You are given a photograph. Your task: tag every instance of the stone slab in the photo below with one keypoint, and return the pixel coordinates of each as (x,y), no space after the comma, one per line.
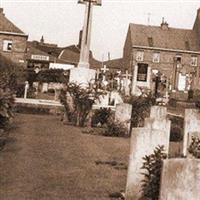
(143,142)
(180,179)
(123,115)
(191,125)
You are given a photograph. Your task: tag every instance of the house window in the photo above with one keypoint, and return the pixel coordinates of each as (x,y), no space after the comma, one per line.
(142,72)
(7,45)
(140,55)
(156,57)
(194,61)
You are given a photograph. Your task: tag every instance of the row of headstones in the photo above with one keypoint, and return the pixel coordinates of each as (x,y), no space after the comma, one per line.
(180,178)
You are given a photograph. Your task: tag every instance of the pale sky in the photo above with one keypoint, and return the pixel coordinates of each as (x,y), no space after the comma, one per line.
(61,20)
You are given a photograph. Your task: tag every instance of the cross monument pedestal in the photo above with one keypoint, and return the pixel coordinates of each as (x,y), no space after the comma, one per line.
(83,74)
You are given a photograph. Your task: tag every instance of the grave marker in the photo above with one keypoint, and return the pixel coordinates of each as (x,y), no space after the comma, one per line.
(123,115)
(143,142)
(180,179)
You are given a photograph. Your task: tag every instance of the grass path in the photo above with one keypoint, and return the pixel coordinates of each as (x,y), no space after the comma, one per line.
(46,160)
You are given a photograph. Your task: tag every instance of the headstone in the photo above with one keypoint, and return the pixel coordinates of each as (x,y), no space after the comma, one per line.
(36,86)
(191,127)
(143,142)
(26,89)
(180,179)
(116,98)
(123,115)
(44,87)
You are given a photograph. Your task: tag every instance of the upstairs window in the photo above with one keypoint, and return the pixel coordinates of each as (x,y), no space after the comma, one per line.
(140,56)
(194,61)
(156,57)
(7,45)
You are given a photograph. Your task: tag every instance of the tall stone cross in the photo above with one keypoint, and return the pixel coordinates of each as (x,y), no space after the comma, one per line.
(86,36)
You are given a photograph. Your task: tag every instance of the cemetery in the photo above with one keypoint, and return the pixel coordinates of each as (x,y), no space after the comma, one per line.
(84,133)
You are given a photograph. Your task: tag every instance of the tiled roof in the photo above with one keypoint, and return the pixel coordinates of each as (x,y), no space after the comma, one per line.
(115,64)
(32,50)
(7,26)
(170,38)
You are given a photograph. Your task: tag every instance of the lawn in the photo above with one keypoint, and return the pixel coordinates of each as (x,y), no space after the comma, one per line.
(46,160)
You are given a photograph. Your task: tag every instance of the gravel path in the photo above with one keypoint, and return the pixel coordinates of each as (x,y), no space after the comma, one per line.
(46,160)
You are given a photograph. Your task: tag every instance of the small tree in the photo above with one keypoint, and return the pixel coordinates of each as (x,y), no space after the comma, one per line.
(140,108)
(82,101)
(152,165)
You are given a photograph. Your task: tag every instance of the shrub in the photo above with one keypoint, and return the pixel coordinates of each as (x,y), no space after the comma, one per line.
(101,116)
(6,104)
(82,101)
(52,75)
(115,129)
(152,165)
(141,108)
(194,147)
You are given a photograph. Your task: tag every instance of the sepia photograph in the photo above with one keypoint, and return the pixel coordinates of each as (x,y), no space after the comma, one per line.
(99,100)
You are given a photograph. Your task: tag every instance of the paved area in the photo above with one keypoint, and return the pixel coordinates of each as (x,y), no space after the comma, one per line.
(46,160)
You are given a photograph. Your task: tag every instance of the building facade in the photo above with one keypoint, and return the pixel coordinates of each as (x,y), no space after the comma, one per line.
(172,54)
(12,41)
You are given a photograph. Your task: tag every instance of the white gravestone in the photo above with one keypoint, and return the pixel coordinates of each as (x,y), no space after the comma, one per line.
(180,179)
(191,127)
(123,114)
(143,142)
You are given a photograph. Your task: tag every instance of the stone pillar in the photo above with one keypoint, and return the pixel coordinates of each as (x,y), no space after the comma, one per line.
(26,89)
(180,179)
(143,142)
(191,126)
(134,81)
(86,37)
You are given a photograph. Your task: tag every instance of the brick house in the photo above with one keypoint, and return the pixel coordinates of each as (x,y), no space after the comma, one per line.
(172,52)
(12,41)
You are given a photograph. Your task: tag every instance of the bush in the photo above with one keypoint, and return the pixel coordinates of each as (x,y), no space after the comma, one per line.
(82,101)
(115,129)
(152,165)
(101,116)
(141,109)
(194,147)
(52,75)
(6,104)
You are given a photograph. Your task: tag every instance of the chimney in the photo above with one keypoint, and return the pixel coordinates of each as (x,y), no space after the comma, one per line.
(42,39)
(108,55)
(164,24)
(80,38)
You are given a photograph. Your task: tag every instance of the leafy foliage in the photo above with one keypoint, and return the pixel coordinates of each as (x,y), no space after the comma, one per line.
(6,104)
(81,103)
(141,108)
(194,147)
(101,116)
(152,165)
(9,77)
(52,75)
(115,129)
